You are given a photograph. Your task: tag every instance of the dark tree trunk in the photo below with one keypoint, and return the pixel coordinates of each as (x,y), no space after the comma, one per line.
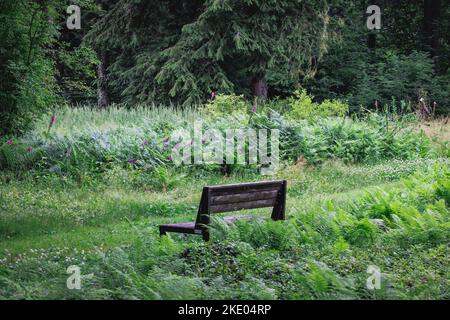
(102,92)
(259,87)
(371,40)
(431,14)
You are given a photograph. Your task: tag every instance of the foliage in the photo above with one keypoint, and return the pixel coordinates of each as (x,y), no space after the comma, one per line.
(396,76)
(141,138)
(223,105)
(369,180)
(77,73)
(402,65)
(355,140)
(302,107)
(201,47)
(28,86)
(320,252)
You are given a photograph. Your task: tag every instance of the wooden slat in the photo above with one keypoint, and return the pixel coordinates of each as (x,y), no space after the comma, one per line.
(247,189)
(183,227)
(242,205)
(238,187)
(244,184)
(244,197)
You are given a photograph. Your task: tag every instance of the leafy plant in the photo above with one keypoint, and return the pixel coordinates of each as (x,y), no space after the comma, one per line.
(302,107)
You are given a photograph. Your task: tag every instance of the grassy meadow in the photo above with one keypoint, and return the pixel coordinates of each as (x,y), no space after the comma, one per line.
(91,189)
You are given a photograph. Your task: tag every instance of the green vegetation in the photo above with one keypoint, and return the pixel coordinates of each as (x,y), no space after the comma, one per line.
(301,106)
(80,141)
(86,168)
(340,220)
(372,191)
(141,52)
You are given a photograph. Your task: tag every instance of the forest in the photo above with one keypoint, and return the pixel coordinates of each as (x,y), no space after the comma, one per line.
(115,114)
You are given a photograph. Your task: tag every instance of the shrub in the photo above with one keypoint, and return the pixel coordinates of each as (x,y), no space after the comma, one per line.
(226,104)
(303,107)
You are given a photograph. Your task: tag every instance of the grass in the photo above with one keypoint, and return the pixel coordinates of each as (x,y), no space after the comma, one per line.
(33,207)
(342,217)
(67,224)
(438,129)
(86,118)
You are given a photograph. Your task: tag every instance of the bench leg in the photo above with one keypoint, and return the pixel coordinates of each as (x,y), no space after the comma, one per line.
(162,232)
(205,235)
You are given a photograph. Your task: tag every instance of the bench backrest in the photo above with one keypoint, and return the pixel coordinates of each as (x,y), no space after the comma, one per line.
(250,195)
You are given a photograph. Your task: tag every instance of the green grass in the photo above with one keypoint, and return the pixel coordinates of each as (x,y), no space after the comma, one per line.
(380,196)
(34,207)
(71,120)
(111,229)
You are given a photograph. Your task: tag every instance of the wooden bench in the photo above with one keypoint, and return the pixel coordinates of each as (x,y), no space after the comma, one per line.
(233,197)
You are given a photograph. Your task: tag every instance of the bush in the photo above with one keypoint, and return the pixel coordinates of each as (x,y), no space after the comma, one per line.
(402,77)
(226,104)
(345,139)
(303,107)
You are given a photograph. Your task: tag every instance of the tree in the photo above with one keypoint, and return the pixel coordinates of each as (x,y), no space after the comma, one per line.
(432,10)
(180,52)
(27,84)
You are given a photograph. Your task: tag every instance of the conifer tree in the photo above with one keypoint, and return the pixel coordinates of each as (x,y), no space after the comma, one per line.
(179,51)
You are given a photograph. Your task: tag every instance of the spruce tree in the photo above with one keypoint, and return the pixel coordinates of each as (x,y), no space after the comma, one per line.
(180,51)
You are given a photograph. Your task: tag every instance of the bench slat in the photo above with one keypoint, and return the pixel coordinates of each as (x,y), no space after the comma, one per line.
(247,189)
(243,197)
(242,205)
(248,184)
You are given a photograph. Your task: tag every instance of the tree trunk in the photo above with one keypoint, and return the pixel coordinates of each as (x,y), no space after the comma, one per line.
(371,40)
(102,92)
(431,15)
(259,87)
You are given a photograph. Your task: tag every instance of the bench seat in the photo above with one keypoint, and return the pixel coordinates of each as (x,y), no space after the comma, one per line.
(189,227)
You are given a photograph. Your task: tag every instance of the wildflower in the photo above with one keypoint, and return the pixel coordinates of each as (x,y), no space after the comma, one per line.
(145,142)
(52,122)
(424,106)
(213,95)
(254,108)
(166,142)
(9,142)
(132,161)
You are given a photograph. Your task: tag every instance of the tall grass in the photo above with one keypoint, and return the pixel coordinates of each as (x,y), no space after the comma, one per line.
(91,139)
(72,120)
